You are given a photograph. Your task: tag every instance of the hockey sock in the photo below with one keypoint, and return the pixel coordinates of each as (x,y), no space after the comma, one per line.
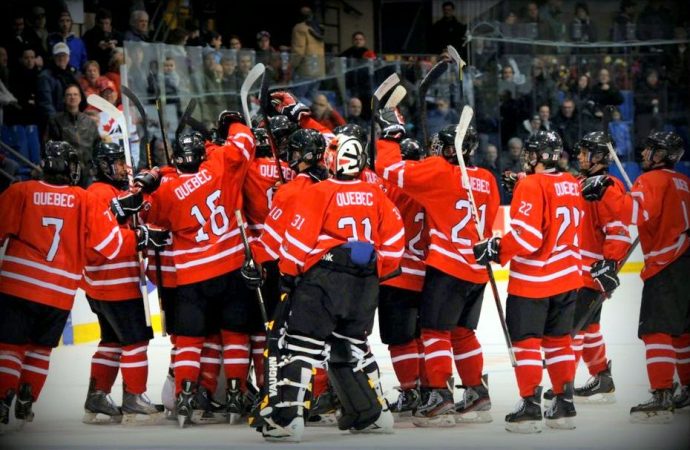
(682,345)
(105,364)
(560,360)
(578,343)
(187,364)
(529,366)
(210,363)
(661,360)
(134,365)
(468,356)
(405,359)
(438,357)
(320,383)
(594,349)
(236,356)
(35,368)
(258,341)
(11,357)
(173,351)
(421,363)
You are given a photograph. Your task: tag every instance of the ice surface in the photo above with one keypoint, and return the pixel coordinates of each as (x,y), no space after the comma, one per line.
(58,413)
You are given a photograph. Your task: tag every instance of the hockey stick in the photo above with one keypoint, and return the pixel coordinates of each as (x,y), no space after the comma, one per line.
(104,105)
(455,56)
(460,131)
(186,118)
(127,92)
(379,93)
(396,97)
(430,78)
(248,256)
(253,75)
(161,121)
(612,152)
(265,107)
(21,157)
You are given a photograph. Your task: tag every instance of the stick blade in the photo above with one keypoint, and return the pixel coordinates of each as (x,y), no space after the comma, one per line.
(396,97)
(461,129)
(455,56)
(253,75)
(386,86)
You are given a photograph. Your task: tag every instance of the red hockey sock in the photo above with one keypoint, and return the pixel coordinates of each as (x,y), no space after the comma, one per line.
(468,357)
(421,363)
(320,382)
(405,359)
(438,357)
(682,346)
(236,356)
(577,345)
(661,360)
(134,365)
(594,349)
(210,363)
(187,364)
(105,364)
(529,366)
(173,351)
(258,341)
(560,360)
(35,368)
(11,357)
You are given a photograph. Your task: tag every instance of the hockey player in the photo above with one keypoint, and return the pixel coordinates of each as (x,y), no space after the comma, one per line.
(112,290)
(545,273)
(343,233)
(659,204)
(454,284)
(211,297)
(51,224)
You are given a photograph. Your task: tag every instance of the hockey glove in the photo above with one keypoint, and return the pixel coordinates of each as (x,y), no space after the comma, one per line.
(252,274)
(392,124)
(148,180)
(153,237)
(126,205)
(593,188)
(225,119)
(287,104)
(604,273)
(487,250)
(509,180)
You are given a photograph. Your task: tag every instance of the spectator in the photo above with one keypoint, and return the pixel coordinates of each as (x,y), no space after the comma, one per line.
(358,81)
(448,30)
(623,28)
(23,86)
(543,89)
(214,103)
(507,82)
(441,116)
(15,41)
(620,133)
(308,52)
(231,83)
(354,113)
(245,64)
(544,112)
(77,55)
(268,55)
(654,20)
(171,82)
(137,76)
(138,27)
(489,160)
(512,161)
(581,92)
(604,93)
(529,127)
(6,99)
(113,74)
(583,29)
(4,67)
(650,105)
(193,33)
(677,63)
(359,49)
(92,82)
(566,123)
(52,83)
(564,164)
(511,114)
(325,114)
(36,34)
(214,41)
(108,129)
(234,43)
(177,36)
(101,40)
(75,127)
(552,17)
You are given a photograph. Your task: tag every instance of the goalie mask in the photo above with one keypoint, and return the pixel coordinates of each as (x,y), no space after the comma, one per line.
(189,152)
(443,144)
(61,164)
(345,157)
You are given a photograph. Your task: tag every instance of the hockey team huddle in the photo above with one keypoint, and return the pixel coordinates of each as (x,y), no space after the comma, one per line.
(272,245)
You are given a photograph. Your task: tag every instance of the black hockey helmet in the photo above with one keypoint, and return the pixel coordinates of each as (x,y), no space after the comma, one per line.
(352,129)
(189,152)
(411,150)
(106,155)
(666,150)
(544,147)
(263,143)
(443,144)
(61,164)
(305,145)
(281,128)
(594,148)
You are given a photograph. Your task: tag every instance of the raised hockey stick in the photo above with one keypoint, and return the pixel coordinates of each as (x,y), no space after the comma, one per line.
(379,93)
(161,121)
(186,118)
(455,56)
(131,96)
(253,75)
(460,132)
(396,97)
(265,108)
(104,105)
(608,111)
(430,78)
(21,157)
(248,256)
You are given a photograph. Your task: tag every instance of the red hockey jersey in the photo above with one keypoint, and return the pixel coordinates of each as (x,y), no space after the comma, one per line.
(659,204)
(198,209)
(436,185)
(543,245)
(49,229)
(334,212)
(169,278)
(258,191)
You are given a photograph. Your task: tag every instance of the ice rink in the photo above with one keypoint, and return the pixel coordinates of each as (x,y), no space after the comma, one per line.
(59,411)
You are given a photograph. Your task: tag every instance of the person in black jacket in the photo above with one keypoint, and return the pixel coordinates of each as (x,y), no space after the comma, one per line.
(101,40)
(448,30)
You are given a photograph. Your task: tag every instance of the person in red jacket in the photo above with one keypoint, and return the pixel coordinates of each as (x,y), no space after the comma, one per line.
(454,284)
(545,273)
(343,233)
(659,204)
(52,222)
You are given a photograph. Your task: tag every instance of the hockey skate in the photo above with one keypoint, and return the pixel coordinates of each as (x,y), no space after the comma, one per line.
(437,411)
(168,395)
(100,408)
(527,416)
(22,407)
(407,403)
(562,410)
(323,411)
(291,432)
(235,406)
(184,406)
(5,405)
(383,425)
(207,410)
(475,404)
(548,397)
(658,409)
(682,397)
(598,389)
(137,409)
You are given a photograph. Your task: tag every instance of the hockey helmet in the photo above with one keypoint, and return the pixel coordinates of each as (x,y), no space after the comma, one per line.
(189,152)
(263,143)
(666,149)
(411,150)
(443,144)
(345,157)
(593,148)
(305,145)
(109,161)
(281,128)
(61,163)
(352,129)
(544,147)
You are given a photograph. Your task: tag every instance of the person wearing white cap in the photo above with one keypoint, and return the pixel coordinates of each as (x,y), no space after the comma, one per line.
(77,55)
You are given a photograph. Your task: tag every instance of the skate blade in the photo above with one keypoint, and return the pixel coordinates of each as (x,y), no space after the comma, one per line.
(524,427)
(442,421)
(596,399)
(235,419)
(652,417)
(199,418)
(403,417)
(564,423)
(325,420)
(182,420)
(133,419)
(91,418)
(474,417)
